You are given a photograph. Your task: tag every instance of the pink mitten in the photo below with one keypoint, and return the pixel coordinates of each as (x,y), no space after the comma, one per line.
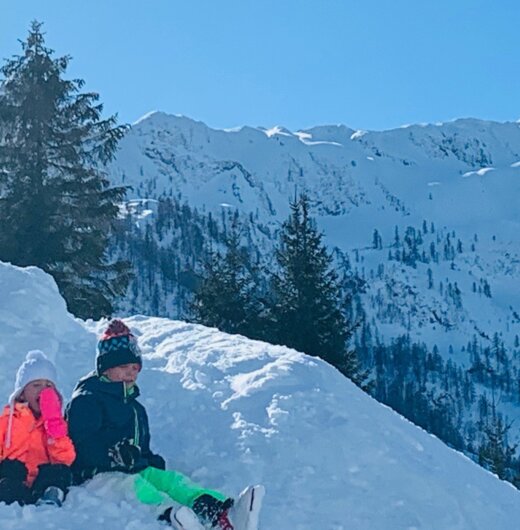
(50,407)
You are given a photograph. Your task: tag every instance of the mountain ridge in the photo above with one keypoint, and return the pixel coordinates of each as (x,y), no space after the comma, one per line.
(237,128)
(427,217)
(461,184)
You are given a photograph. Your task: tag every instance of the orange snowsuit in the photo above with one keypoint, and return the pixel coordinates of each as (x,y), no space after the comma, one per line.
(30,443)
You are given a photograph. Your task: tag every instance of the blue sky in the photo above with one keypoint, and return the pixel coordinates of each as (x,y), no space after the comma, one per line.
(367,64)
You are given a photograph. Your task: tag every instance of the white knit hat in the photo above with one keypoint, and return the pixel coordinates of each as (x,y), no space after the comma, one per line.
(36,366)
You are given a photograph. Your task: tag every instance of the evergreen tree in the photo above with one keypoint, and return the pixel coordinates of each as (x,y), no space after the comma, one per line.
(226,296)
(56,206)
(377,241)
(496,453)
(306,306)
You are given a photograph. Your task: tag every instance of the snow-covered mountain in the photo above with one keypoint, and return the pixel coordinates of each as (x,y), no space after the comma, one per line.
(228,411)
(456,185)
(427,215)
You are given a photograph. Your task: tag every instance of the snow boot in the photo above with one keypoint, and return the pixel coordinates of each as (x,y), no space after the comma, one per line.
(244,514)
(185,519)
(212,511)
(52,496)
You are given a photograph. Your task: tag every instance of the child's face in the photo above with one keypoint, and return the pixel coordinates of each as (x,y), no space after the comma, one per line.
(124,373)
(31,393)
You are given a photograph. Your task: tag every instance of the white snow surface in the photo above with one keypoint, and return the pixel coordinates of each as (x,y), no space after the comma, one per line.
(229,411)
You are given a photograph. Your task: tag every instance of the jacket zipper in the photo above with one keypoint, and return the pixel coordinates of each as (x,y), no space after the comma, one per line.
(136,432)
(136,418)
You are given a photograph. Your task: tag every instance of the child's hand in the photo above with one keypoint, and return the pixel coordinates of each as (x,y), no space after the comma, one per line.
(50,404)
(124,454)
(50,407)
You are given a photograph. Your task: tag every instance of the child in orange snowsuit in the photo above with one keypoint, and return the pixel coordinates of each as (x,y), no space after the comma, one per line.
(35,449)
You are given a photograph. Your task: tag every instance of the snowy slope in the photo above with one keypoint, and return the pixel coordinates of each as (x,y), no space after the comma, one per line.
(229,411)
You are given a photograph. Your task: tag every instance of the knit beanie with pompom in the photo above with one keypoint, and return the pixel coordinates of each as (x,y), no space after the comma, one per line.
(117,346)
(36,366)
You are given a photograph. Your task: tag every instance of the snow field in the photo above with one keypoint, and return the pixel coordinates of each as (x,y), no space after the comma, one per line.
(229,411)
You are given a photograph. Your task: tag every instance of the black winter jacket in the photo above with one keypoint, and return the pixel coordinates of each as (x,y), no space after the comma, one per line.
(101,414)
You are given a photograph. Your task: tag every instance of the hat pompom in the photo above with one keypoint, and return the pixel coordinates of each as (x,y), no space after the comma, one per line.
(36,355)
(116,328)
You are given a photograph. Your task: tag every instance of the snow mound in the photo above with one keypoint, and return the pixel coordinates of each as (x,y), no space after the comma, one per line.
(480,172)
(229,411)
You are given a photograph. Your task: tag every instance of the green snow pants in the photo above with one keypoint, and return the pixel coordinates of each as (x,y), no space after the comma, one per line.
(152,484)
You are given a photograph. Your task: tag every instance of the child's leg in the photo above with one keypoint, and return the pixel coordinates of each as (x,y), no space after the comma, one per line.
(152,484)
(13,473)
(58,475)
(176,485)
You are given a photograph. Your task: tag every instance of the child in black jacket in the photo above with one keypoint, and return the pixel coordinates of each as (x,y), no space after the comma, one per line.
(110,431)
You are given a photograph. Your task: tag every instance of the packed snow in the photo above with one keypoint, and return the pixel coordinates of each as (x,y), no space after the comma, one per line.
(229,411)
